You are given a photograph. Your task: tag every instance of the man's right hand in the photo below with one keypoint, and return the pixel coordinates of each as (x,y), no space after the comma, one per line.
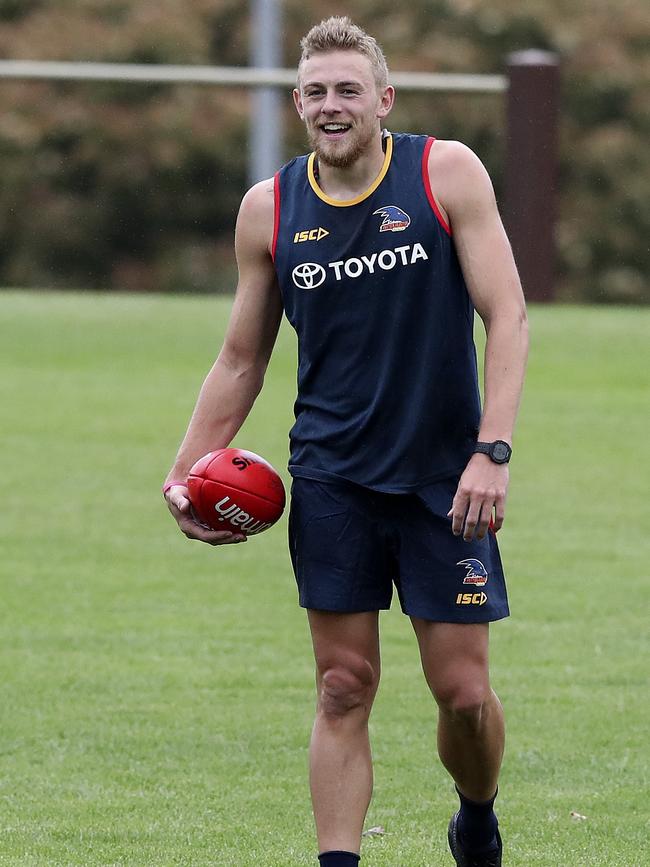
(179,505)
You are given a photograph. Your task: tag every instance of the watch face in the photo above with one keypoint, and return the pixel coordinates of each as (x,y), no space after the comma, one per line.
(500,452)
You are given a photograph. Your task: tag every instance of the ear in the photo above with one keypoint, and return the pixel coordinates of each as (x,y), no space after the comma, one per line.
(297,101)
(386,102)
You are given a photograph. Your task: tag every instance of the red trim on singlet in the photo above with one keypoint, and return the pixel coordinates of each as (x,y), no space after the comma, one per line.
(427,186)
(276,213)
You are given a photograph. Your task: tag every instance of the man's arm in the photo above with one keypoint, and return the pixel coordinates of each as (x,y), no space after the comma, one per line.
(464,192)
(236,378)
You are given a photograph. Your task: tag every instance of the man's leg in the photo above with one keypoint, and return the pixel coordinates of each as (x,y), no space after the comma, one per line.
(346,650)
(470,723)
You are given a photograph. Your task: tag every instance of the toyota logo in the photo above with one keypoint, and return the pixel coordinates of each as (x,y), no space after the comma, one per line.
(309,275)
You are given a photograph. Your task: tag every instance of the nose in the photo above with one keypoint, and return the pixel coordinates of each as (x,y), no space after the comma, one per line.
(330,103)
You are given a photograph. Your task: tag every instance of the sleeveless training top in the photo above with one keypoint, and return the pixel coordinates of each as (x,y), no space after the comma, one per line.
(387,379)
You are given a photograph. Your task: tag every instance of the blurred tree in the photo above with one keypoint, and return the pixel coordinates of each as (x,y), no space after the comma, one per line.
(136,187)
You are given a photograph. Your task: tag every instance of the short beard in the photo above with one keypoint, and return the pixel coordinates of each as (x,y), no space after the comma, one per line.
(341,159)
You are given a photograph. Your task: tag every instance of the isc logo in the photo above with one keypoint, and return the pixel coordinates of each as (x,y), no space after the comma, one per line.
(310,235)
(471,599)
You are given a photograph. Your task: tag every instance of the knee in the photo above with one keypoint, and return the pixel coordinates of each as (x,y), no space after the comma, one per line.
(347,687)
(466,703)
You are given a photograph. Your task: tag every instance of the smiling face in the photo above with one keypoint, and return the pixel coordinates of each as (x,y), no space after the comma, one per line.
(341,105)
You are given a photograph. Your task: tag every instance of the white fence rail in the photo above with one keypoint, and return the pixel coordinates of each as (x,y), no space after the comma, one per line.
(231,75)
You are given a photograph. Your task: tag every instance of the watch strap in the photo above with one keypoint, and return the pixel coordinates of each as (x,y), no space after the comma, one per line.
(482,448)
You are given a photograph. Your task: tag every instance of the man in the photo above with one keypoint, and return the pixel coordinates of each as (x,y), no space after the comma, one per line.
(379,247)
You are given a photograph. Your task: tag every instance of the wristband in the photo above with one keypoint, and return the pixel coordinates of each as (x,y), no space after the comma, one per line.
(169,485)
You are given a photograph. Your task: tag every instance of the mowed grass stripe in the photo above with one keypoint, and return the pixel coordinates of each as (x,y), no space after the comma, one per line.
(156,695)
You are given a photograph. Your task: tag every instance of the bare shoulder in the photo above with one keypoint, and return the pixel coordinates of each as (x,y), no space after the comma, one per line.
(457,176)
(255,221)
(455,158)
(259,200)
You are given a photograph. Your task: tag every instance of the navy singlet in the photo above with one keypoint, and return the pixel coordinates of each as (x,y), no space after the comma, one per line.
(388,394)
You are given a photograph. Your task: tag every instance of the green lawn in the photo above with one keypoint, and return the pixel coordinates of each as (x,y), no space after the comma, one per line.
(156,695)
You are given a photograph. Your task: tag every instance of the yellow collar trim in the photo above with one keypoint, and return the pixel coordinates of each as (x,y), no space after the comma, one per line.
(338,203)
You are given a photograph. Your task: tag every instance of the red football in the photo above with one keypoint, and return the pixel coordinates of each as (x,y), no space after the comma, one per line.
(236,490)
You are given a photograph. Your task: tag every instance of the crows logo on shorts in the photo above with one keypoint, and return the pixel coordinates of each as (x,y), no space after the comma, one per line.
(476,572)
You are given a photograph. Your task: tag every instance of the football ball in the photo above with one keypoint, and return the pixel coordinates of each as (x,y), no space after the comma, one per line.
(236,490)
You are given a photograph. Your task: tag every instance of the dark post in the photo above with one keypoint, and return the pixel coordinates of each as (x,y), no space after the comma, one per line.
(531,168)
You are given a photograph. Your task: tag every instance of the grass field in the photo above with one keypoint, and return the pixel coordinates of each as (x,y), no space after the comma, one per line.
(156,695)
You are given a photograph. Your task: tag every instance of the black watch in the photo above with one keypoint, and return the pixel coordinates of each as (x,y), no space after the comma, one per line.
(498,451)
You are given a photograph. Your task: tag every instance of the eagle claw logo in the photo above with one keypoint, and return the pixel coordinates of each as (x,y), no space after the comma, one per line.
(476,572)
(395,219)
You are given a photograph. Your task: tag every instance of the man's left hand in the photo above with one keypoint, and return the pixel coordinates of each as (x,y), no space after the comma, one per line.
(480,497)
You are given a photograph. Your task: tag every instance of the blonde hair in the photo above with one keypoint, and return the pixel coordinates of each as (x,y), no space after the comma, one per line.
(341,34)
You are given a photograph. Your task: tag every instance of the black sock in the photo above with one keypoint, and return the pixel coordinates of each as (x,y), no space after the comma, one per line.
(477,824)
(338,859)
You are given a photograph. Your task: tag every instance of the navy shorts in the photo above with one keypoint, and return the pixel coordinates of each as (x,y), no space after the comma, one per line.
(349,545)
